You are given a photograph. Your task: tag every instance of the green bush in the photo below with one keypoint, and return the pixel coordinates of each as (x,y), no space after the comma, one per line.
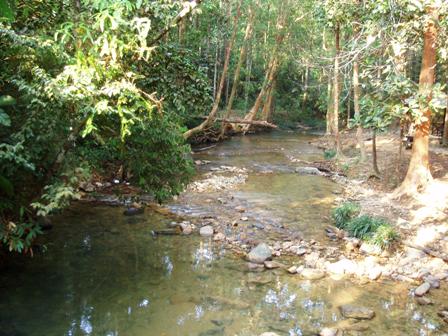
(343,214)
(384,236)
(329,154)
(363,227)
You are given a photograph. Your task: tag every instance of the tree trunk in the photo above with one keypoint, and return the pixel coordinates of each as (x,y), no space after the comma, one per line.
(236,76)
(335,119)
(445,125)
(267,108)
(374,153)
(356,96)
(271,70)
(419,174)
(348,107)
(329,116)
(215,107)
(305,87)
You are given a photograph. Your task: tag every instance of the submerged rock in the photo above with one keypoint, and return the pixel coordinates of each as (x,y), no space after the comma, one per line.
(329,332)
(259,254)
(206,231)
(269,334)
(357,312)
(133,211)
(312,274)
(273,264)
(422,289)
(423,301)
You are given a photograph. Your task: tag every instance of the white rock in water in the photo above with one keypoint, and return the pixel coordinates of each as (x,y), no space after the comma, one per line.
(312,274)
(343,266)
(259,254)
(422,289)
(219,237)
(329,332)
(206,231)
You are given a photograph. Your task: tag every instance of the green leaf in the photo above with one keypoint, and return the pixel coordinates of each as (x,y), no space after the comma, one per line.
(6,186)
(4,119)
(6,10)
(7,100)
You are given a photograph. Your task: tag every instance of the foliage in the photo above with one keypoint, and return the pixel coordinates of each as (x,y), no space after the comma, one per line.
(343,214)
(329,154)
(364,226)
(384,236)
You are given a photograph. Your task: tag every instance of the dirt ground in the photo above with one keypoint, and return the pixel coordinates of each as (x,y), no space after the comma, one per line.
(422,220)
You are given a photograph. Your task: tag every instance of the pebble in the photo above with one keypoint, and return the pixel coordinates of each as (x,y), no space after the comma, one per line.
(260,253)
(292,270)
(312,274)
(219,237)
(423,301)
(357,312)
(329,332)
(206,231)
(422,289)
(273,264)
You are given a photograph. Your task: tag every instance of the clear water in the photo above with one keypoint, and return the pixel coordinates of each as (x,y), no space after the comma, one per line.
(104,273)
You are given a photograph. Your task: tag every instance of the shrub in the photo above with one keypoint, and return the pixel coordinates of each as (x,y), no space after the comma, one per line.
(364,226)
(343,214)
(384,236)
(329,154)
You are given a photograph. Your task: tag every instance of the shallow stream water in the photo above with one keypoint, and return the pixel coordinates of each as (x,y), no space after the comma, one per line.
(105,274)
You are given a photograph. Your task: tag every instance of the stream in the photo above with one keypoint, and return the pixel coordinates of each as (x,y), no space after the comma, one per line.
(104,273)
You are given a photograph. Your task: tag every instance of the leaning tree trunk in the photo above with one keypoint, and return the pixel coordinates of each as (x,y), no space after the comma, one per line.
(375,154)
(236,77)
(271,70)
(419,174)
(335,119)
(211,117)
(267,108)
(329,115)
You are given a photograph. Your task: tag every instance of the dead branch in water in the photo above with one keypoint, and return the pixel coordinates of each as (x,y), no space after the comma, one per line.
(242,121)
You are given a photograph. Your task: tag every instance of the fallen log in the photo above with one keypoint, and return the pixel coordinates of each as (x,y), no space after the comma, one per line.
(242,121)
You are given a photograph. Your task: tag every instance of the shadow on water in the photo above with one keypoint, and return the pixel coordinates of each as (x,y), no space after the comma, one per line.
(104,274)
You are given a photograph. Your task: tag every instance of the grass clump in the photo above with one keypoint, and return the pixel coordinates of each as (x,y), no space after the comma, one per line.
(368,228)
(343,214)
(329,154)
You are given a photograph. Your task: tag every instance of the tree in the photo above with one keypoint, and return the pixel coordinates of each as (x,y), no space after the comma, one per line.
(419,174)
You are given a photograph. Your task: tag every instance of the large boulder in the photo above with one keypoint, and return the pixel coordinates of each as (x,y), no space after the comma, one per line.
(357,312)
(260,254)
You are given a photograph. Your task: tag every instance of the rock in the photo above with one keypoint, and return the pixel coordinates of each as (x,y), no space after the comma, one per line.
(422,289)
(312,259)
(292,270)
(298,250)
(423,301)
(308,171)
(255,267)
(269,334)
(343,266)
(206,231)
(444,315)
(240,209)
(87,187)
(187,229)
(432,280)
(244,219)
(312,274)
(374,273)
(370,249)
(273,264)
(259,254)
(287,245)
(329,332)
(219,237)
(357,312)
(133,211)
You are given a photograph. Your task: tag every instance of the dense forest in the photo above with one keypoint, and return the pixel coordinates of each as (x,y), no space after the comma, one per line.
(121,88)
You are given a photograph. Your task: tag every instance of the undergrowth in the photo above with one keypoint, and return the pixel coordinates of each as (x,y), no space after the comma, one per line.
(366,227)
